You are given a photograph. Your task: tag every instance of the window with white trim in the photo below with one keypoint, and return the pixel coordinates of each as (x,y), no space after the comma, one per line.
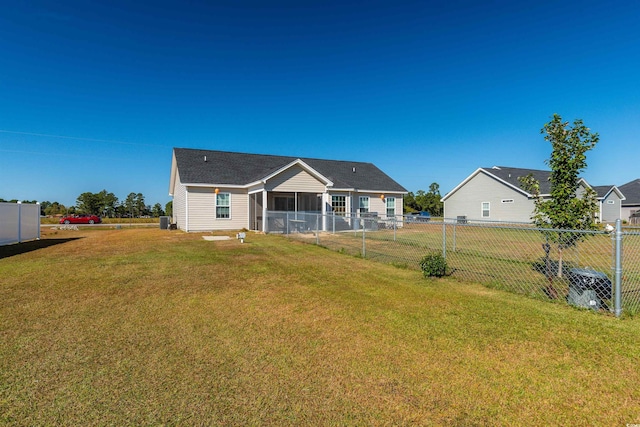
(485,209)
(391,206)
(223,205)
(339,205)
(363,205)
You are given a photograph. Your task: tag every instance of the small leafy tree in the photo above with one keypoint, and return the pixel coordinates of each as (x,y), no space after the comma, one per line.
(567,208)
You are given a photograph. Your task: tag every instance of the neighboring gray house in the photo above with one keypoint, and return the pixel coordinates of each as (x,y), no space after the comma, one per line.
(219,190)
(496,194)
(610,200)
(631,206)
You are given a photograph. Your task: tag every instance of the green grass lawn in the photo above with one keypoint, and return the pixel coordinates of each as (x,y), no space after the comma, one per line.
(155,327)
(509,258)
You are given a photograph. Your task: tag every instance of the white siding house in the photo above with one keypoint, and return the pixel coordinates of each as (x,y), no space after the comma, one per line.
(218,190)
(496,194)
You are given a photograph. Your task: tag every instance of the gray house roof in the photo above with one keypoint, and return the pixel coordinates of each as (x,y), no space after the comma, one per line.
(603,191)
(230,168)
(511,175)
(631,190)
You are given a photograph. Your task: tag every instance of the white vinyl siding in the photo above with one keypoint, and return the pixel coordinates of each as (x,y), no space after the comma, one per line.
(202,210)
(295,179)
(467,200)
(179,205)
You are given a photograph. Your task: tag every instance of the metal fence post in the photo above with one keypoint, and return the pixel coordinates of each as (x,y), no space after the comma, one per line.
(618,271)
(444,238)
(364,241)
(287,223)
(395,227)
(354,226)
(333,226)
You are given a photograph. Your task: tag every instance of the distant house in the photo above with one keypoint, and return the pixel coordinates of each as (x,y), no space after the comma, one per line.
(496,194)
(631,206)
(219,190)
(610,201)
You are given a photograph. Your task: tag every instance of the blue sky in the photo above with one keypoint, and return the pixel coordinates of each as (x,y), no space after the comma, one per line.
(95,95)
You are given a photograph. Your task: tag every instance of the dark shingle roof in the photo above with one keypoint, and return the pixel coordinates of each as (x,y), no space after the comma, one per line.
(631,191)
(602,190)
(224,167)
(511,175)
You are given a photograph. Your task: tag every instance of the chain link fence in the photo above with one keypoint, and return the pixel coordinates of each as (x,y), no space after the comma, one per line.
(563,265)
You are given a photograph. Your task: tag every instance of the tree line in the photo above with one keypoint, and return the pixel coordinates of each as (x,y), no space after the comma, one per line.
(425,201)
(104,204)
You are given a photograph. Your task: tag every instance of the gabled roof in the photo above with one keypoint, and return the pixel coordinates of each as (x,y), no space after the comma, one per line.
(631,191)
(210,167)
(509,176)
(603,191)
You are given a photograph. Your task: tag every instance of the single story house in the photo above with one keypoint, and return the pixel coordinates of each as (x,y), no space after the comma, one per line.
(631,206)
(496,194)
(220,190)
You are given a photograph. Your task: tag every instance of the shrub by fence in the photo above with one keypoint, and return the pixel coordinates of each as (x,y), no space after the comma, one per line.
(510,256)
(19,222)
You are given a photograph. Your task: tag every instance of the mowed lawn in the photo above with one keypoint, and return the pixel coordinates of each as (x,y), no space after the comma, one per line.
(156,327)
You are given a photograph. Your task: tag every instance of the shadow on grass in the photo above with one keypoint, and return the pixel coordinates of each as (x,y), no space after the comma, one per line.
(21,248)
(551,269)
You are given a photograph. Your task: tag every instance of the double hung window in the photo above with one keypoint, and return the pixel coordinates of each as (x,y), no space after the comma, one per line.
(223,205)
(391,206)
(363,206)
(485,209)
